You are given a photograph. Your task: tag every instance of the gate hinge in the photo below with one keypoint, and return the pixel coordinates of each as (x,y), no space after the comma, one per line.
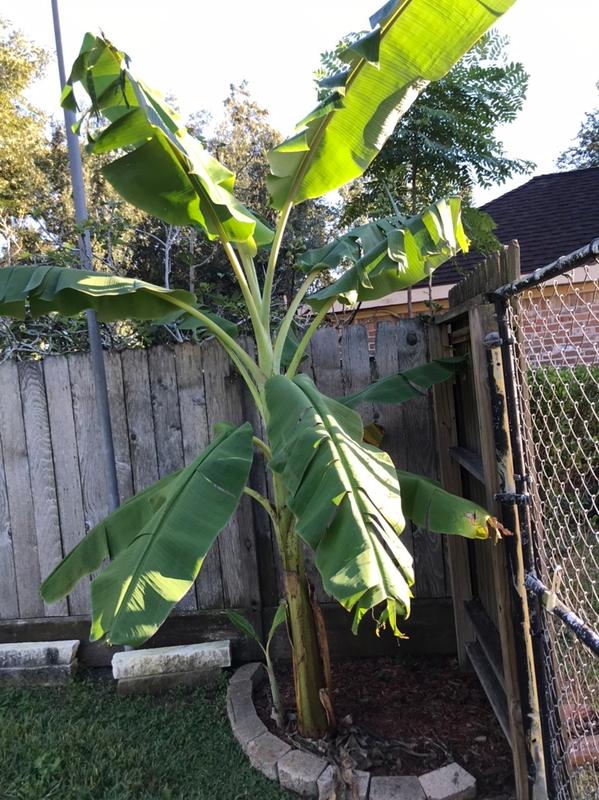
(493,340)
(513,498)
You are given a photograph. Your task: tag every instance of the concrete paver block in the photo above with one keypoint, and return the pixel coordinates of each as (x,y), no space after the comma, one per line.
(264,752)
(396,788)
(449,783)
(299,772)
(255,673)
(328,791)
(38,654)
(179,658)
(157,684)
(245,722)
(37,676)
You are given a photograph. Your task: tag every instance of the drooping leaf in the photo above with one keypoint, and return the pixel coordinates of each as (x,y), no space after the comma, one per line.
(157,542)
(44,289)
(163,169)
(345,498)
(413,42)
(404,386)
(401,258)
(244,625)
(429,506)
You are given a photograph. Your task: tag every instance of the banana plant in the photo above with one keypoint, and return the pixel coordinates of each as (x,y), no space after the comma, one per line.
(246,627)
(332,492)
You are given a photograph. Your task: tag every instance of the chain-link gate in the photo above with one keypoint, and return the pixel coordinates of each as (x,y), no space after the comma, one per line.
(548,325)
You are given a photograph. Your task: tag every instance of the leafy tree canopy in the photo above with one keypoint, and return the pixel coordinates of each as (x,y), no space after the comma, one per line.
(585,150)
(23,143)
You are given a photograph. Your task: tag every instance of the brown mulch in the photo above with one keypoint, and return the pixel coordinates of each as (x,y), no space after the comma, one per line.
(407,716)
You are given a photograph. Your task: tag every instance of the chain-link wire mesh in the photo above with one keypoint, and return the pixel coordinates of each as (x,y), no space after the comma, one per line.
(556,328)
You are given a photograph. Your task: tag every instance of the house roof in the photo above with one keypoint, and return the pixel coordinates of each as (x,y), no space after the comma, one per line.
(550,216)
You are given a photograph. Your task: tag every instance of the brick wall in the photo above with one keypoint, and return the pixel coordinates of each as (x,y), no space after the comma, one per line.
(560,324)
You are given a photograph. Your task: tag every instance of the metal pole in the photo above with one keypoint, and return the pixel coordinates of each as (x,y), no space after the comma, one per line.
(85,253)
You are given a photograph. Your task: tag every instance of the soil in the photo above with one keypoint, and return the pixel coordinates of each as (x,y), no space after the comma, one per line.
(407,716)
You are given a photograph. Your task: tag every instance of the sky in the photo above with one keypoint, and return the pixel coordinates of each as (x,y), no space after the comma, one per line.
(202,47)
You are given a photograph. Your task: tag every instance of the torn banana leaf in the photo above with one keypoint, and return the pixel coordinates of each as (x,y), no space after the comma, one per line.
(402,256)
(157,542)
(345,498)
(412,43)
(162,168)
(44,289)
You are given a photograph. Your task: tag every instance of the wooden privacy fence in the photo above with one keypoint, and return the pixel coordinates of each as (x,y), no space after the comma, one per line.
(164,403)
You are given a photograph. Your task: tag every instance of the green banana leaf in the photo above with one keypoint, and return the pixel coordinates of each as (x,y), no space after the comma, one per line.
(400,388)
(157,542)
(392,259)
(292,342)
(45,289)
(429,506)
(185,322)
(413,42)
(164,170)
(345,498)
(347,248)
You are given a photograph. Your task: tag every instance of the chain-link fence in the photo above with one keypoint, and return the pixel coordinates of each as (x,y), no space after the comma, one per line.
(555,324)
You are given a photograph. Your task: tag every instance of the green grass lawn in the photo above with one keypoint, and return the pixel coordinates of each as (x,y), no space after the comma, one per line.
(83,742)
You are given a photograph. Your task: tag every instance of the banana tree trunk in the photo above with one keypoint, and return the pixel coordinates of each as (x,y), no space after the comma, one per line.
(308,671)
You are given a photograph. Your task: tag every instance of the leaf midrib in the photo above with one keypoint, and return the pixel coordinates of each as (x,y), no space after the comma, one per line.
(319,132)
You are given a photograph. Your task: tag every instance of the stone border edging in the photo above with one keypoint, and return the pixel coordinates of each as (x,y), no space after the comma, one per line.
(311,776)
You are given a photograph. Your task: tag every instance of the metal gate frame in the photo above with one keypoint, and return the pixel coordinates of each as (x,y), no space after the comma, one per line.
(517,500)
(508,656)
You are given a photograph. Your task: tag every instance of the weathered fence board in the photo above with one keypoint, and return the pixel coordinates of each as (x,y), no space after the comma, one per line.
(164,403)
(9,606)
(237,544)
(138,404)
(41,474)
(66,467)
(18,489)
(195,432)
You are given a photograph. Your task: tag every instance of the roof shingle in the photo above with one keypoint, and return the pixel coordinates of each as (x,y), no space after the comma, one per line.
(550,216)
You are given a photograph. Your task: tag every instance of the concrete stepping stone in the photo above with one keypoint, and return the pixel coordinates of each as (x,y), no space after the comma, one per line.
(158,669)
(38,663)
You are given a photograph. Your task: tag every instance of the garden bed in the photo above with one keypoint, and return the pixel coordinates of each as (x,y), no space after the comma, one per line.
(408,716)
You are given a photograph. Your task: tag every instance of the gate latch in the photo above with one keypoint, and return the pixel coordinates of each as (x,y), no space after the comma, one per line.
(513,498)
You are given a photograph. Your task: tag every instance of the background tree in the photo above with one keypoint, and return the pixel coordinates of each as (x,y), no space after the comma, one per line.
(37,218)
(23,144)
(447,142)
(585,150)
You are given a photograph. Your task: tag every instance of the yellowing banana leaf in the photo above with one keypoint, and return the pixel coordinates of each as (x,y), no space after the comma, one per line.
(429,506)
(345,498)
(404,386)
(163,170)
(157,542)
(401,257)
(44,289)
(413,42)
